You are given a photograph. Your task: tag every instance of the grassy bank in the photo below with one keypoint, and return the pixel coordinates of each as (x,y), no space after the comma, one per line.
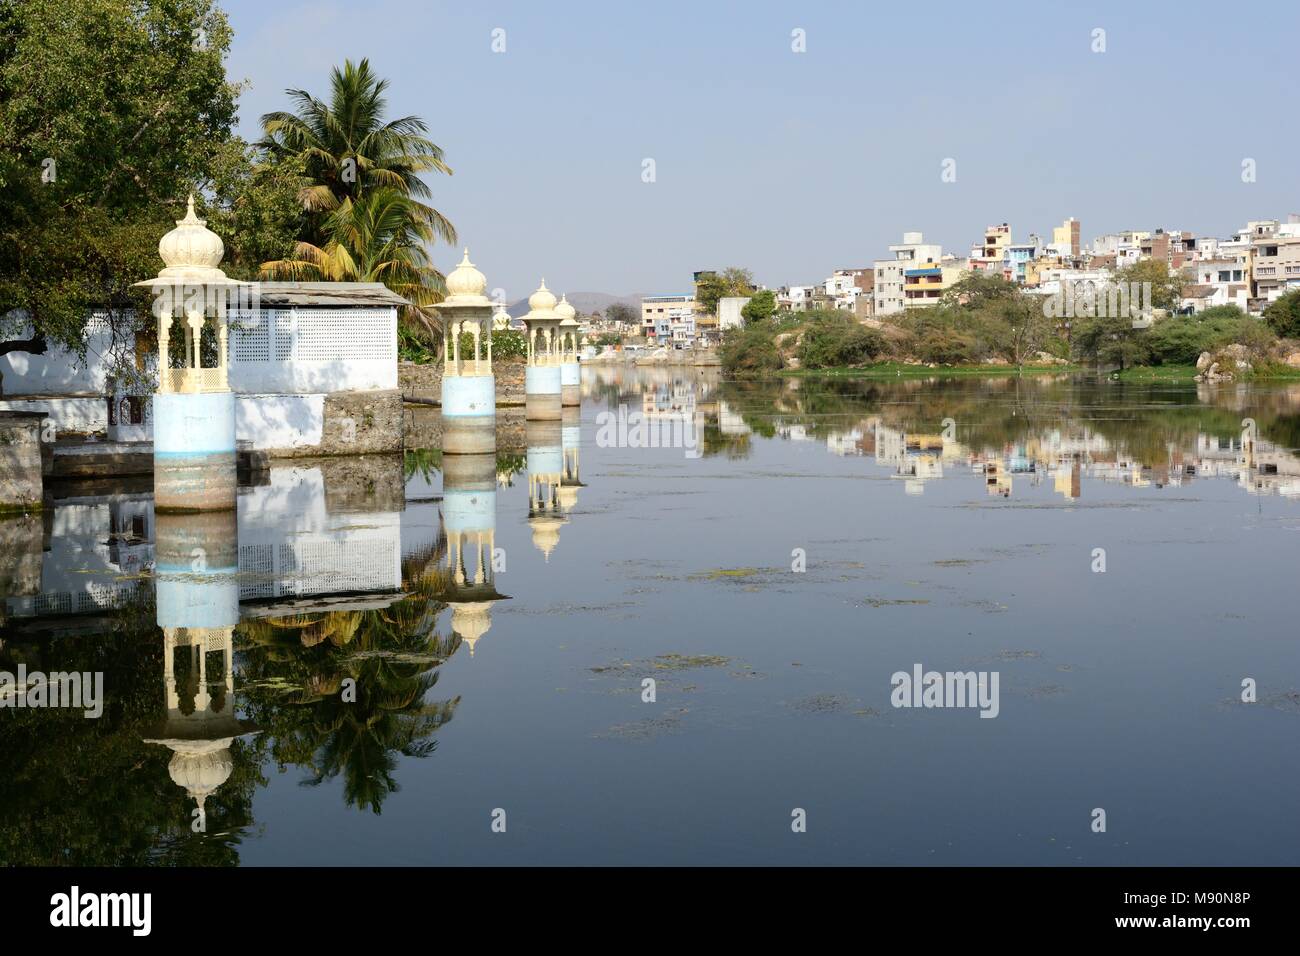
(904,370)
(1270,372)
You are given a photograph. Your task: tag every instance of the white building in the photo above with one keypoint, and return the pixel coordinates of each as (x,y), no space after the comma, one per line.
(302,342)
(912,251)
(729,311)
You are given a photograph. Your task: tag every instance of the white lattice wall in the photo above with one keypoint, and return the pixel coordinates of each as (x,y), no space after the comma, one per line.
(313,350)
(304,568)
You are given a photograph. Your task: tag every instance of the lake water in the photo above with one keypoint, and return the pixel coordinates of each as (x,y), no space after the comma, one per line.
(1120,558)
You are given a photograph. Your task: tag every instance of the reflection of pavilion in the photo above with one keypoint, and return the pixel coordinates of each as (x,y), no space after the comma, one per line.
(570,447)
(469,518)
(198,608)
(545,477)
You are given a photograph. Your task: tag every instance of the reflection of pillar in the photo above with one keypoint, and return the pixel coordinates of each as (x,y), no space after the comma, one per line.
(468,387)
(570,478)
(545,476)
(196,567)
(469,517)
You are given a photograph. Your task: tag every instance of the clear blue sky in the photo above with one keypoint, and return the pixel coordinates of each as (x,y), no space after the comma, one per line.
(796,164)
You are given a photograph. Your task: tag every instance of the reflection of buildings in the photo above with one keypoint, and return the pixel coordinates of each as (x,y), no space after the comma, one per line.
(469,520)
(198,608)
(916,458)
(97,554)
(1065,456)
(304,533)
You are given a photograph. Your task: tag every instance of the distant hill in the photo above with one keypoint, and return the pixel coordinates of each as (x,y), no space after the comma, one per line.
(585,302)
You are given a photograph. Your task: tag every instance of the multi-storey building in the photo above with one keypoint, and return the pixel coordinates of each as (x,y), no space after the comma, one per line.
(1065,238)
(1275,268)
(669,319)
(989,254)
(926,282)
(913,252)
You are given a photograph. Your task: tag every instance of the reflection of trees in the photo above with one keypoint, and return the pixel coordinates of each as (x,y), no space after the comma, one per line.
(1145,420)
(293,673)
(425,462)
(92,792)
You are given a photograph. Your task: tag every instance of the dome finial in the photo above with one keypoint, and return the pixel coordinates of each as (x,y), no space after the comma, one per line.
(466,285)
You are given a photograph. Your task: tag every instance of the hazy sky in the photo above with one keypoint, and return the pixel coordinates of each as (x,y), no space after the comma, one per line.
(794,164)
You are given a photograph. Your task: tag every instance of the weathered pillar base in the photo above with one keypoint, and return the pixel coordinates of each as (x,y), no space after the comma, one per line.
(197,567)
(570,384)
(194,452)
(469,415)
(542,393)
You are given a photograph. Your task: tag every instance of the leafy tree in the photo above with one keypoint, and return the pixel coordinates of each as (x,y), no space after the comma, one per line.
(713,286)
(761,306)
(110,112)
(1283,315)
(1166,286)
(975,290)
(750,351)
(622,313)
(366,218)
(1111,341)
(1180,339)
(838,340)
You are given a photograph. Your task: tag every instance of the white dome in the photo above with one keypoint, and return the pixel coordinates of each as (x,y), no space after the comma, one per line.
(465,281)
(201,768)
(543,300)
(566,312)
(191,250)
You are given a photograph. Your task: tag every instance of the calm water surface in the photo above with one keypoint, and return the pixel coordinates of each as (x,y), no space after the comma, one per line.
(966,544)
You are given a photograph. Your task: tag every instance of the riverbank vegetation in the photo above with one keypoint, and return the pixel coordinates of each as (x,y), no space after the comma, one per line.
(985,324)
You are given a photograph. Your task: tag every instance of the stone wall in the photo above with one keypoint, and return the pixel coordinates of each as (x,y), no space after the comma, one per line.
(22,485)
(422,427)
(355,423)
(423,383)
(21,554)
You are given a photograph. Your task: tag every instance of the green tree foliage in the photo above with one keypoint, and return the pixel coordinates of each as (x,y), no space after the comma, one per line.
(366,218)
(1111,341)
(110,112)
(750,351)
(834,339)
(1180,339)
(713,286)
(975,290)
(995,321)
(761,306)
(1166,286)
(623,313)
(1283,315)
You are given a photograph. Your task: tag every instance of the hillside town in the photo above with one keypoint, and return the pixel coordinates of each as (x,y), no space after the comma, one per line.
(1250,268)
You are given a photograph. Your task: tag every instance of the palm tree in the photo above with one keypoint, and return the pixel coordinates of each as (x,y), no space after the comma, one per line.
(367,219)
(376,237)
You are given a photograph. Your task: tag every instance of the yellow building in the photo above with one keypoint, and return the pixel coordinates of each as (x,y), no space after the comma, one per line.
(925,284)
(1066,236)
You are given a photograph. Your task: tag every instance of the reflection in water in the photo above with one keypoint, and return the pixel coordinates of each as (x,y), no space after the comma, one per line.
(469,520)
(309,630)
(198,608)
(545,478)
(999,431)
